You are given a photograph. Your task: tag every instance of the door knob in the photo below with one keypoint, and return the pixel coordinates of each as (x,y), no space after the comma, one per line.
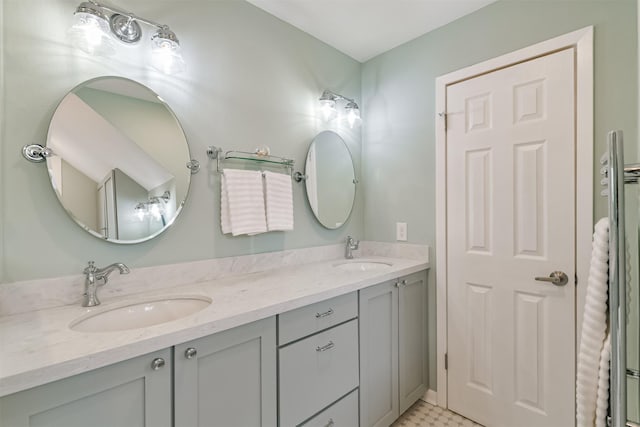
(190,353)
(558,278)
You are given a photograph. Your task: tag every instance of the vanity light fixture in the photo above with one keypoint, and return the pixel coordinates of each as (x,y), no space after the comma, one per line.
(153,207)
(97,27)
(328,107)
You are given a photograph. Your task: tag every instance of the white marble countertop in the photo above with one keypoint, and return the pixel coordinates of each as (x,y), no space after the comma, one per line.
(38,347)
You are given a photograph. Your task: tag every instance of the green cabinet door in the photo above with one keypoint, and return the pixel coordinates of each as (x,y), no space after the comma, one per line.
(412,336)
(393,348)
(228,379)
(129,393)
(379,355)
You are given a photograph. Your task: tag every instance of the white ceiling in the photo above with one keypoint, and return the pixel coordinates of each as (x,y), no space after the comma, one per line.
(366,28)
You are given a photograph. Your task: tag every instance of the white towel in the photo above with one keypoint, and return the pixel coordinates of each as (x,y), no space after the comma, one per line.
(225,222)
(245,200)
(602,401)
(593,347)
(279,201)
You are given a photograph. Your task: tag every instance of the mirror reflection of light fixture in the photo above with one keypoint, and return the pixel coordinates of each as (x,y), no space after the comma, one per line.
(154,207)
(141,211)
(328,102)
(96,27)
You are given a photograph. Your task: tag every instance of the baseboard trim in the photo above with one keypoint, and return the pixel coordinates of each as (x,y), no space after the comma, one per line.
(431,397)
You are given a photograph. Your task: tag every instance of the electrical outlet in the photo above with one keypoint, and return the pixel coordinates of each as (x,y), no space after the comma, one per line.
(401,231)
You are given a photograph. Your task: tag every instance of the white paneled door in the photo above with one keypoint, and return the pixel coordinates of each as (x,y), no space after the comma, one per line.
(511,218)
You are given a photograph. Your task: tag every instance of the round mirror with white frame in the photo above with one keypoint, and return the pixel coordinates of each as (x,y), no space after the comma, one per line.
(118,162)
(330,179)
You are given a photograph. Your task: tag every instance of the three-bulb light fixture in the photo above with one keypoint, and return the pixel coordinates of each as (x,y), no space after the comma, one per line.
(328,108)
(153,208)
(97,27)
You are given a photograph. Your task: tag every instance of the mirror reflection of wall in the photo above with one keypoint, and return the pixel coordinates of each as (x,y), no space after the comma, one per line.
(330,183)
(116,147)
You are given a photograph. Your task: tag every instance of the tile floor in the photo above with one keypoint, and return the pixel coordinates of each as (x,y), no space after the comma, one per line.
(423,414)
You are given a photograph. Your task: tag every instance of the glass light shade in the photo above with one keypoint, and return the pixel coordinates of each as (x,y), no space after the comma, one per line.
(328,109)
(353,116)
(156,211)
(90,33)
(166,56)
(141,211)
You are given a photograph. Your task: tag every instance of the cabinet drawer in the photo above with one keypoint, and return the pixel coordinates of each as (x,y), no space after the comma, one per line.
(299,323)
(343,413)
(316,371)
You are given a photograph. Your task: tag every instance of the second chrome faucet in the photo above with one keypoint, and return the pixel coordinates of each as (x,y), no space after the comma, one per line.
(352,245)
(94,275)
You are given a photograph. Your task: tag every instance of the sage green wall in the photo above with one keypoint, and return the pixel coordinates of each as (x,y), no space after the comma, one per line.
(398,97)
(251,80)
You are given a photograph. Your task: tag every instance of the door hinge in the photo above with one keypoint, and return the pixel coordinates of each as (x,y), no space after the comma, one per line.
(443,116)
(446,361)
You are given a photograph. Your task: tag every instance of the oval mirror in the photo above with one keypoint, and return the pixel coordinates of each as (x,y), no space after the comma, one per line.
(330,182)
(119,160)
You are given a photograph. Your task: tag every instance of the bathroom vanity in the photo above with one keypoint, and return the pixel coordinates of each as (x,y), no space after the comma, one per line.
(264,353)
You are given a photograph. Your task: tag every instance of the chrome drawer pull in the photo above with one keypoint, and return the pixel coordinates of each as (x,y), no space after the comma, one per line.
(325,347)
(330,423)
(325,314)
(157,363)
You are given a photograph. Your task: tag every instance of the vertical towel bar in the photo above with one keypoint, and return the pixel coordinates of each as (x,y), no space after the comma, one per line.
(617,280)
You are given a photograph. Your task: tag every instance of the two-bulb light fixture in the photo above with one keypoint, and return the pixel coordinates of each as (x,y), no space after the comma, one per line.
(328,108)
(97,28)
(153,208)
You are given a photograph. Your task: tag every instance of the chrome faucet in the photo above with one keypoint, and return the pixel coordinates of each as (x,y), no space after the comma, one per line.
(352,245)
(93,276)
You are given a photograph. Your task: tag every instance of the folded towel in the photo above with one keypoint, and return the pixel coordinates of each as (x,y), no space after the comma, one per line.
(225,222)
(245,198)
(279,201)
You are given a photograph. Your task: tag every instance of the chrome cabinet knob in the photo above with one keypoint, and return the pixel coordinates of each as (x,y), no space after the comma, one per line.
(157,363)
(190,353)
(558,278)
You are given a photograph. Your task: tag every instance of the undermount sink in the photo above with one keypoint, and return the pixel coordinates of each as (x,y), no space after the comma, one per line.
(363,265)
(140,314)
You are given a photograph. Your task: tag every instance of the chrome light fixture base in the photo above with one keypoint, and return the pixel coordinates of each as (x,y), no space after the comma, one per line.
(125,28)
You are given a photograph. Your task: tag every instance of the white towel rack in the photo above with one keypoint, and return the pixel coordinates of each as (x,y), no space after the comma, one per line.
(617,174)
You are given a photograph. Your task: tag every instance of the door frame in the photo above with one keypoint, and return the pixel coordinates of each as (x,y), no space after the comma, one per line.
(582,43)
